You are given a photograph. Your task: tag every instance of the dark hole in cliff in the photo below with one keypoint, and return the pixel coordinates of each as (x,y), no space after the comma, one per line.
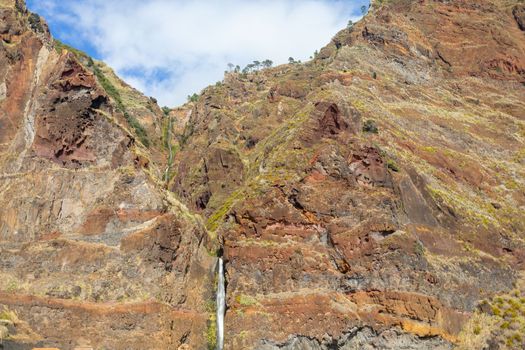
(97,102)
(386,233)
(294,200)
(496,205)
(519,16)
(68,73)
(220,252)
(59,153)
(203,200)
(250,142)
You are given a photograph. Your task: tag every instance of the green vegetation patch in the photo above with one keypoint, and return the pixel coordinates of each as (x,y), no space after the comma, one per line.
(370,127)
(113,92)
(245,300)
(217,217)
(60,46)
(392,165)
(211,329)
(500,320)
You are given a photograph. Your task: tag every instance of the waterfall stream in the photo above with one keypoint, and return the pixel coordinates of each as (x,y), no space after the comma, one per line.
(221,305)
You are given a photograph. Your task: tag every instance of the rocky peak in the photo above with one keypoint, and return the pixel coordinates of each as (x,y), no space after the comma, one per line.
(469,38)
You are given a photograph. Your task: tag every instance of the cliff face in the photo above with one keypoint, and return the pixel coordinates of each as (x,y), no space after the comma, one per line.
(93,250)
(375,194)
(371,198)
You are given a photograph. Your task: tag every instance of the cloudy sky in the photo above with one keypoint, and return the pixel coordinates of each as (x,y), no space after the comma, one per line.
(169,49)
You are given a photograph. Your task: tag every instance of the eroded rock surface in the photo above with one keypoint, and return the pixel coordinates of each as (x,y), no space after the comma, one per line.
(382,192)
(371,198)
(93,251)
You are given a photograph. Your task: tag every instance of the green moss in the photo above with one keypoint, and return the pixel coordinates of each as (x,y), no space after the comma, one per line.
(245,300)
(167,141)
(214,252)
(7,315)
(211,326)
(217,217)
(211,332)
(429,149)
(512,184)
(166,132)
(496,311)
(243,334)
(419,249)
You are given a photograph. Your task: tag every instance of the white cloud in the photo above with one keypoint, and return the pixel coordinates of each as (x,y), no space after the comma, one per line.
(172,48)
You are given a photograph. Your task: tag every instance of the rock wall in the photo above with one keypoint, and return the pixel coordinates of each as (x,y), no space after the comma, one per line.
(93,251)
(381,197)
(371,198)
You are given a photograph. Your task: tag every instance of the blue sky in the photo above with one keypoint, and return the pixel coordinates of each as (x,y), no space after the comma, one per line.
(169,49)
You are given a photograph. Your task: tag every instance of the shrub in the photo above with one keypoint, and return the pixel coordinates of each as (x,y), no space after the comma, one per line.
(35,23)
(166,110)
(391,164)
(193,98)
(370,127)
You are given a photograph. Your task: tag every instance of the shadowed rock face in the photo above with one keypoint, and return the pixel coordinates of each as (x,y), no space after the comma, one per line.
(368,199)
(519,14)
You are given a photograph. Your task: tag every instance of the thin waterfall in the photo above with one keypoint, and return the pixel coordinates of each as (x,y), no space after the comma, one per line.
(221,306)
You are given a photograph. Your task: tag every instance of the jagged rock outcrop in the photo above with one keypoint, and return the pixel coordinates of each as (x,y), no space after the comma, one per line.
(372,198)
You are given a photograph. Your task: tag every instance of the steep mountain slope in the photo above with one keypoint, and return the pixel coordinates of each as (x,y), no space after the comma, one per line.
(335,235)
(93,251)
(372,198)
